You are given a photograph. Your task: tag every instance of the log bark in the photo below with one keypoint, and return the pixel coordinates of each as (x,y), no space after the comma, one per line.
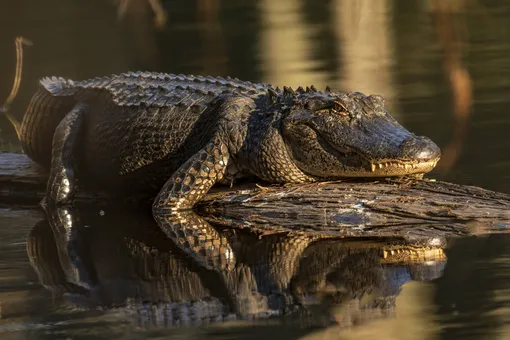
(396,207)
(20,178)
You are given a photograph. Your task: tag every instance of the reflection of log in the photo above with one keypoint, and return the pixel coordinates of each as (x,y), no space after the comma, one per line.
(390,208)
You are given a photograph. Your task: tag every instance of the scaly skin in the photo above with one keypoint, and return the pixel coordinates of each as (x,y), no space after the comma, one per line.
(145,133)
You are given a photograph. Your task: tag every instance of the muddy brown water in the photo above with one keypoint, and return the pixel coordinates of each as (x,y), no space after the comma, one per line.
(444,68)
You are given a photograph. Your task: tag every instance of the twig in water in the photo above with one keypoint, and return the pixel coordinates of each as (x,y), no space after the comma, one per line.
(20,41)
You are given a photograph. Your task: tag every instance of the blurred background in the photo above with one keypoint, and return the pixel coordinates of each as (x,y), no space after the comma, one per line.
(443,66)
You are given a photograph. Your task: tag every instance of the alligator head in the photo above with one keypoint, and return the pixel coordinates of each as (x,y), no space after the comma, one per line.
(334,134)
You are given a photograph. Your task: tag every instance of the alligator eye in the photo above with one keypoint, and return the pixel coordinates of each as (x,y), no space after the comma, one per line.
(339,108)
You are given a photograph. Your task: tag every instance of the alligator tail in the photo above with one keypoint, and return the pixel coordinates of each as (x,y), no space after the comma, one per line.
(20,41)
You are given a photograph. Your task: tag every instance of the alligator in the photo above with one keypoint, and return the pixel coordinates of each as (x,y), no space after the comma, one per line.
(179,135)
(173,137)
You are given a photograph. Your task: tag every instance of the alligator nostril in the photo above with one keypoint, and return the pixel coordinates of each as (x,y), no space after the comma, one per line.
(419,148)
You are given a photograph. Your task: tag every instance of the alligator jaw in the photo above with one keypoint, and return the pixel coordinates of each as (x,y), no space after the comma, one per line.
(397,168)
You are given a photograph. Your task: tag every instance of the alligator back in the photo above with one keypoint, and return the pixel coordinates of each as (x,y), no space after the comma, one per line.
(139,125)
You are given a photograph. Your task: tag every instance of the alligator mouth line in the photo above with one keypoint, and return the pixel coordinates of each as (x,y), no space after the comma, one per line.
(403,165)
(383,168)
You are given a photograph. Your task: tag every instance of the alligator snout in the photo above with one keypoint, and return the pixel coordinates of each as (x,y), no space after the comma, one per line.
(419,148)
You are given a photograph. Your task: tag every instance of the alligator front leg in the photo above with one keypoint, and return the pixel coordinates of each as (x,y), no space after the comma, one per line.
(62,182)
(172,207)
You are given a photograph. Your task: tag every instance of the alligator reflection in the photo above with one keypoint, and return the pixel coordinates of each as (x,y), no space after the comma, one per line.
(116,258)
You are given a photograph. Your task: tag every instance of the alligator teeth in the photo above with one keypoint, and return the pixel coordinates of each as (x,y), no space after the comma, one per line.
(375,166)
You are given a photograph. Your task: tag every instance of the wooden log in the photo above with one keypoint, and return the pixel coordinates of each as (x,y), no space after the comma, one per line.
(397,207)
(20,178)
